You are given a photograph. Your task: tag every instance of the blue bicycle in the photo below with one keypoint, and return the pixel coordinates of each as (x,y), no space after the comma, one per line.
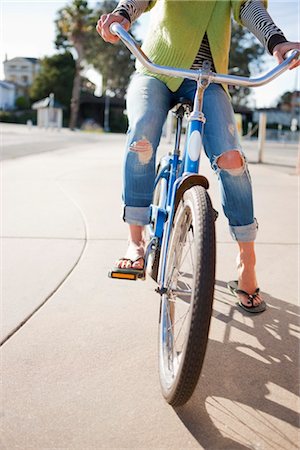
(182,249)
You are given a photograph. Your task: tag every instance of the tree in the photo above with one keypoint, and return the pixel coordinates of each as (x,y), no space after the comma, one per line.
(285,99)
(73,26)
(113,61)
(22,102)
(245,53)
(56,75)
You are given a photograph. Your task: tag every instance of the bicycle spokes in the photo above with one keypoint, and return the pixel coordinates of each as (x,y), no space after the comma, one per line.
(177,300)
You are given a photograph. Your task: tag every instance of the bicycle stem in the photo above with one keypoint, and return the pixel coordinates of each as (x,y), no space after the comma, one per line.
(197,113)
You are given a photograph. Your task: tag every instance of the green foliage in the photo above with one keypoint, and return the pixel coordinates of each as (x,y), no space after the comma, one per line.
(56,75)
(18,116)
(73,23)
(245,54)
(76,28)
(22,103)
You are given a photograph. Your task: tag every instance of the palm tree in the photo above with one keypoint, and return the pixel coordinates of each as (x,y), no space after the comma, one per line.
(73,25)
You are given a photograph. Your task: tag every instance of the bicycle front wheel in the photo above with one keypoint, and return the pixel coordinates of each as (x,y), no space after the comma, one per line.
(186,305)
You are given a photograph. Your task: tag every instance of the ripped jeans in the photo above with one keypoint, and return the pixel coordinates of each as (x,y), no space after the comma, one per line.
(148,103)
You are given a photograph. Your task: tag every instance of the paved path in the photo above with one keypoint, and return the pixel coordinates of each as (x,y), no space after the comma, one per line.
(79,358)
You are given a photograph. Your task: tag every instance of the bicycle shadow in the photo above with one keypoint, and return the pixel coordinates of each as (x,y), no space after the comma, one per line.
(247,393)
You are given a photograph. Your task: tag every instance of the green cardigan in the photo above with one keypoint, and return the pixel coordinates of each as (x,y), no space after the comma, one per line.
(177,29)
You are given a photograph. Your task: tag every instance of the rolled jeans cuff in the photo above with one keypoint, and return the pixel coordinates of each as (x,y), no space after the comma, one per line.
(244,233)
(136,215)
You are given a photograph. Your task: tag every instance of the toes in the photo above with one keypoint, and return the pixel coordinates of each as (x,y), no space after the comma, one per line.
(245,301)
(128,264)
(139,264)
(256,301)
(123,263)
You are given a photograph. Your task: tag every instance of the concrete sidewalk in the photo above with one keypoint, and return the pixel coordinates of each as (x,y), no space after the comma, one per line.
(80,354)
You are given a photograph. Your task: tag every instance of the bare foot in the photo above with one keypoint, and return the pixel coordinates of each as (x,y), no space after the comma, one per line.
(134,257)
(247,281)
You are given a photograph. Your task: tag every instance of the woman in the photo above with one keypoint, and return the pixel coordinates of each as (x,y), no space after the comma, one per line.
(184,34)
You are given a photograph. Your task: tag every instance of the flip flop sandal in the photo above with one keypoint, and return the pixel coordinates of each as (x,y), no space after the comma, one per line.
(233,287)
(134,253)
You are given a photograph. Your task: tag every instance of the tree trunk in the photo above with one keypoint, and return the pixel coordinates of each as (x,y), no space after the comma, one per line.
(75,97)
(76,89)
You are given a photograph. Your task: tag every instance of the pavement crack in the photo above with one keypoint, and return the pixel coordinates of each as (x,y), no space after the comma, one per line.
(27,318)
(85,239)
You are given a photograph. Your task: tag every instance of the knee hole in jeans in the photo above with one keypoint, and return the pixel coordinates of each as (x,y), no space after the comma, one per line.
(232,161)
(144,150)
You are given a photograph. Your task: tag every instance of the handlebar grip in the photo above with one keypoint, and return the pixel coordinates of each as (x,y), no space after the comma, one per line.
(294,53)
(113,28)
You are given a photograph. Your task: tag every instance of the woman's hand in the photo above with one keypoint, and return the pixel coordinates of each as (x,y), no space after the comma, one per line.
(281,49)
(104,23)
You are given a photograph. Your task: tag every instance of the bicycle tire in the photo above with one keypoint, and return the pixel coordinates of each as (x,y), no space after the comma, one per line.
(179,371)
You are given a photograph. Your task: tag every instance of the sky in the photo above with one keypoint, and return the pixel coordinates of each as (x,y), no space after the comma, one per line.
(27,29)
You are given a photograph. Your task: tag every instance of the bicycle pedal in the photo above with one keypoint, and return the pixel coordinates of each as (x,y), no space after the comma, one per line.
(124,274)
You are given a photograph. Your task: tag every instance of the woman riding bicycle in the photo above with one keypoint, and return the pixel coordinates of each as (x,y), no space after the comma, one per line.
(184,34)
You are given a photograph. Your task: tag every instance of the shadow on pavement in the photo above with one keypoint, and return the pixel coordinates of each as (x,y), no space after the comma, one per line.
(247,393)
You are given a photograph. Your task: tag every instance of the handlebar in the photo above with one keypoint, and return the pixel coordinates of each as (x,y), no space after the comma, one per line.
(291,57)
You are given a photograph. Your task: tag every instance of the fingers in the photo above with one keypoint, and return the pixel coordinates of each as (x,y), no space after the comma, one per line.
(278,56)
(296,63)
(281,49)
(103,26)
(294,46)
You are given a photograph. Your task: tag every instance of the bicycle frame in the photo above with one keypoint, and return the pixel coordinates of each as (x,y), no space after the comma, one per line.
(171,178)
(173,173)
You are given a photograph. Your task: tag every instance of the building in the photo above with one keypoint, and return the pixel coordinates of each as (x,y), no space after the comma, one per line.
(49,113)
(275,117)
(21,71)
(290,103)
(103,113)
(7,95)
(295,104)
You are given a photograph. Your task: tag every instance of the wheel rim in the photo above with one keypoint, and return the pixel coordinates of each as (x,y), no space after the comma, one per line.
(176,304)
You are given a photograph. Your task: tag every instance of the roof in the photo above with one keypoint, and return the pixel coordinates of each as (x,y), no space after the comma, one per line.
(7,85)
(32,60)
(45,103)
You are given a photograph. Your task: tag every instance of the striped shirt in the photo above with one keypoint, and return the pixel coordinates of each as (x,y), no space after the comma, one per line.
(253,15)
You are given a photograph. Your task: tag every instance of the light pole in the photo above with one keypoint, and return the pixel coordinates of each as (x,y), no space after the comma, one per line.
(107,107)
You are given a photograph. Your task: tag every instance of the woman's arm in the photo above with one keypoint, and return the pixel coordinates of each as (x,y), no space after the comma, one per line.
(254,16)
(125,13)
(131,9)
